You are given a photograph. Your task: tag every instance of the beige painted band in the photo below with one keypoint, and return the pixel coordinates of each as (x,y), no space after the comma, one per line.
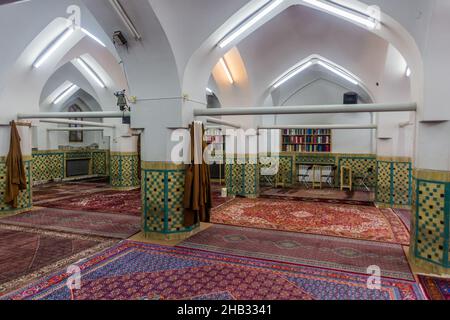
(432,175)
(147,165)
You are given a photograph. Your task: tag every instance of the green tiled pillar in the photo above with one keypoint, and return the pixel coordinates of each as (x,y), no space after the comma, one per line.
(124,170)
(430,234)
(243,177)
(394,182)
(25,198)
(162,201)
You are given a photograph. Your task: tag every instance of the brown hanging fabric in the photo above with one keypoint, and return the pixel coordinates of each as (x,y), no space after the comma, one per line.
(197,196)
(16,179)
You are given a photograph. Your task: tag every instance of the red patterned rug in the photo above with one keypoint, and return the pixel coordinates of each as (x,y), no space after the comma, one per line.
(305,249)
(117,202)
(350,221)
(323,195)
(58,190)
(436,288)
(26,254)
(405,216)
(115,226)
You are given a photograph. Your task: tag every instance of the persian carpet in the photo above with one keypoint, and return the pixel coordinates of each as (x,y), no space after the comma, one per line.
(350,221)
(305,249)
(117,202)
(133,270)
(79,222)
(405,216)
(217,199)
(324,195)
(436,288)
(30,253)
(56,191)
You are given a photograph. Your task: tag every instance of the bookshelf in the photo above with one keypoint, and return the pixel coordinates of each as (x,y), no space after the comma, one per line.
(306,140)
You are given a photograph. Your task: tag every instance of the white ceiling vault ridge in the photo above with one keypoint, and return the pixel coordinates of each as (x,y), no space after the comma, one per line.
(45,46)
(206,56)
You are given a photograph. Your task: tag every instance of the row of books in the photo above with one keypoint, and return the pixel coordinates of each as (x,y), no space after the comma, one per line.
(306,140)
(306,148)
(303,132)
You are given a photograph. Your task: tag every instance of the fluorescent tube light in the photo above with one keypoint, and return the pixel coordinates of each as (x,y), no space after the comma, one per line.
(91,72)
(293,74)
(227,70)
(90,35)
(209,91)
(408,72)
(366,21)
(125,19)
(66,93)
(251,21)
(53,47)
(337,72)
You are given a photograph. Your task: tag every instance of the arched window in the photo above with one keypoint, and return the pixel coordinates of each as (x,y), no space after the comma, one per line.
(75,136)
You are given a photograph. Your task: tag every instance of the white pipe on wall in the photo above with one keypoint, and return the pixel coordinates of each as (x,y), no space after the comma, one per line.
(223,122)
(79,122)
(74,129)
(322,126)
(69,115)
(318,109)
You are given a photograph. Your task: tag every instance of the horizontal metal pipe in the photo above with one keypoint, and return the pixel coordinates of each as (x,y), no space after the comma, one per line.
(68,115)
(321,126)
(223,122)
(341,108)
(75,129)
(79,122)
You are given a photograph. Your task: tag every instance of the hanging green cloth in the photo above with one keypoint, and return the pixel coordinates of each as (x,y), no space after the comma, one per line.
(197,196)
(16,179)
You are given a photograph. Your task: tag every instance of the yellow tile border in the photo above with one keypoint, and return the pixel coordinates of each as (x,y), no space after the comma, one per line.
(124,154)
(24,158)
(432,175)
(394,159)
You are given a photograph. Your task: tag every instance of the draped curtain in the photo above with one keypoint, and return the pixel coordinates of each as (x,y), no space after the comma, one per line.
(197,196)
(16,179)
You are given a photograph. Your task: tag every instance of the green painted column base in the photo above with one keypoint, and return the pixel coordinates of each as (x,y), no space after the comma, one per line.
(25,202)
(430,232)
(162,202)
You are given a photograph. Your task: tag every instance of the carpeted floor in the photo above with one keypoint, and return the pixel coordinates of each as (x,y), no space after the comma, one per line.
(350,221)
(321,195)
(305,249)
(24,252)
(405,216)
(117,202)
(436,289)
(55,191)
(132,270)
(86,223)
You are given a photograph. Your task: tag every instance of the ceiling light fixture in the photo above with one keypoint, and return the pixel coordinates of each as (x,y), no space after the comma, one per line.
(408,72)
(227,70)
(337,72)
(91,72)
(70,90)
(365,20)
(53,47)
(209,91)
(302,67)
(125,18)
(250,22)
(90,35)
(292,74)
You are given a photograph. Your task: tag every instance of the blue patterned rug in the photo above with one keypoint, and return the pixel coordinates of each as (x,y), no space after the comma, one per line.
(139,271)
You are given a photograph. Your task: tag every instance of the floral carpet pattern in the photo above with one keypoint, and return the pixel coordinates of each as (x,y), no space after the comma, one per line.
(78,222)
(305,249)
(118,202)
(133,270)
(350,221)
(436,289)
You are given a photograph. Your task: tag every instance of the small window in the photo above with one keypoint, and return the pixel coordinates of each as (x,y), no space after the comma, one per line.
(75,136)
